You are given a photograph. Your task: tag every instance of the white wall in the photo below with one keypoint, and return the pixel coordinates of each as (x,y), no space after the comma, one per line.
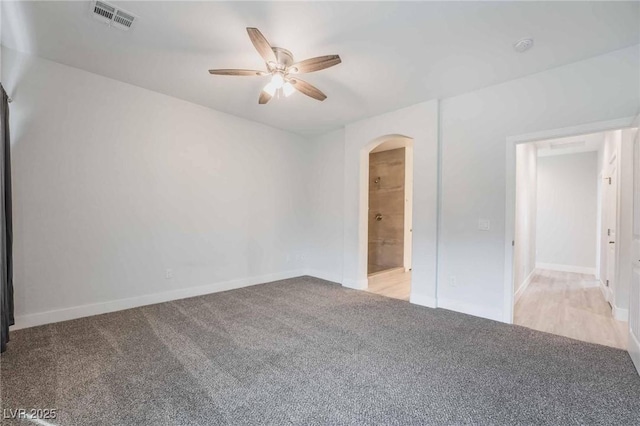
(625,226)
(618,149)
(346,154)
(524,257)
(102,210)
(567,212)
(473,132)
(419,122)
(114,184)
(325,183)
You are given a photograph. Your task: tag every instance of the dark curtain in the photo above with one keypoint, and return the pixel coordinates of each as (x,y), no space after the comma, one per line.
(6,285)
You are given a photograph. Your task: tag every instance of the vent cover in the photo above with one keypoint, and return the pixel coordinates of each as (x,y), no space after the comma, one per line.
(104,11)
(113,16)
(123,19)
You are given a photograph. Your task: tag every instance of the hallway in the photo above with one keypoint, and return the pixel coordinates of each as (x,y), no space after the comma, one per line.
(571,305)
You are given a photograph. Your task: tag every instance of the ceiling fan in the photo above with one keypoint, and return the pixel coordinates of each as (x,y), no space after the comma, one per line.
(283,70)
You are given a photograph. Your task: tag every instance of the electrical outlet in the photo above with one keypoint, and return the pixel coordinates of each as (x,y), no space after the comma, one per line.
(168,274)
(484,224)
(453,281)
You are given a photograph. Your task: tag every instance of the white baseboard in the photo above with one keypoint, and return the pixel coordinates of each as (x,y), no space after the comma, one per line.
(415,298)
(620,314)
(356,284)
(609,296)
(66,314)
(327,276)
(634,350)
(566,268)
(607,292)
(422,300)
(520,291)
(471,309)
(604,290)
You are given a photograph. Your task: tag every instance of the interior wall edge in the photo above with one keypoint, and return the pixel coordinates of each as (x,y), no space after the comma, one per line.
(520,290)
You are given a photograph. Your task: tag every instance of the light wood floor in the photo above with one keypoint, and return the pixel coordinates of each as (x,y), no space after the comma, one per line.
(394,283)
(570,305)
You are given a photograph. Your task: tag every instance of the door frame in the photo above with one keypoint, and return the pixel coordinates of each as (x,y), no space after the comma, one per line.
(510,191)
(633,345)
(407,143)
(611,198)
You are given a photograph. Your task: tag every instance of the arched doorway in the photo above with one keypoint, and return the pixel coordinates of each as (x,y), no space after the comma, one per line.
(388,164)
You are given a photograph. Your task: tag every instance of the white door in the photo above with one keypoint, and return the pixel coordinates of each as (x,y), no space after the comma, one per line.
(634,294)
(611,215)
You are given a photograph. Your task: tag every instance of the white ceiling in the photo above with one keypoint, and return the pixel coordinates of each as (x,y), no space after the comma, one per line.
(394,54)
(574,144)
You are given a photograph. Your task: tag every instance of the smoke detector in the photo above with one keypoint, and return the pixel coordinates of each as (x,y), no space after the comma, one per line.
(523,45)
(112,15)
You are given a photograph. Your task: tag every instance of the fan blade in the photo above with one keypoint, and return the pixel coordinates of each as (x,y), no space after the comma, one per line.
(314,64)
(264,98)
(237,72)
(308,89)
(262,45)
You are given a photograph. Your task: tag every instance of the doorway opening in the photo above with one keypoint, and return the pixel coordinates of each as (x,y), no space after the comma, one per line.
(573,236)
(389,218)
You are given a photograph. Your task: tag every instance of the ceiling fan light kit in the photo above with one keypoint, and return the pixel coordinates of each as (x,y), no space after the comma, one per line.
(288,89)
(283,69)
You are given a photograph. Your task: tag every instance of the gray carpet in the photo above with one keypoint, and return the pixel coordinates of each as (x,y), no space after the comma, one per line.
(305,351)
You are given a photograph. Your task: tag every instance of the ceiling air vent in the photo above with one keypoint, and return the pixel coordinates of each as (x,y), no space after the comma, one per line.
(104,11)
(123,19)
(112,16)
